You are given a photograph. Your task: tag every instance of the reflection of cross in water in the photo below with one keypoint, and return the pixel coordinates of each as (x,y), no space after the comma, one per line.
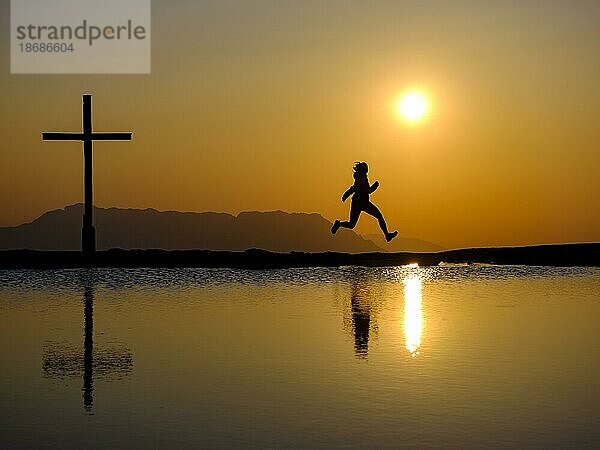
(64,362)
(88,348)
(88,233)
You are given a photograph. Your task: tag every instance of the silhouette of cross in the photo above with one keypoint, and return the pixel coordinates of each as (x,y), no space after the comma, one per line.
(88,233)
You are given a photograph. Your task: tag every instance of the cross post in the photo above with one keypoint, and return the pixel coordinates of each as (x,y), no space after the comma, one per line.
(88,232)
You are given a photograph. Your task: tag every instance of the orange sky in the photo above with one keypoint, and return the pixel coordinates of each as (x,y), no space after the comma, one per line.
(266,105)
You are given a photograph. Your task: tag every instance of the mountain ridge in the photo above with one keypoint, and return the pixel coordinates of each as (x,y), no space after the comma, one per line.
(402,244)
(131,228)
(144,228)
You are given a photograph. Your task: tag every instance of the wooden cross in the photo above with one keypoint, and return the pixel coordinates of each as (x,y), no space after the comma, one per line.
(88,233)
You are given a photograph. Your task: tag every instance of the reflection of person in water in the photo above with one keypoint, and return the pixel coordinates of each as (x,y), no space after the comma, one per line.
(360,190)
(361,321)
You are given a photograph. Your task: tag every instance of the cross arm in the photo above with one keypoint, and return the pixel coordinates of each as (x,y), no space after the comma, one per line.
(62,136)
(111,136)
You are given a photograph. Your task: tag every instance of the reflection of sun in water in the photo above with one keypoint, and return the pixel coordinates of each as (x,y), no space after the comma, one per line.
(413,315)
(412,106)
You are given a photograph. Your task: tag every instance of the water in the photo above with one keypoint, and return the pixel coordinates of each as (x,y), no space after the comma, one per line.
(457,356)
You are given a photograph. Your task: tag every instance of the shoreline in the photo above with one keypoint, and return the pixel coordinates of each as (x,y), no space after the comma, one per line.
(558,255)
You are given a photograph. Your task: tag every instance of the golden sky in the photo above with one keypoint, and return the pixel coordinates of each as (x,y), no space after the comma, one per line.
(257,105)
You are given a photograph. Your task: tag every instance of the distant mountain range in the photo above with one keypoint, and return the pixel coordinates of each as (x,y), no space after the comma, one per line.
(276,231)
(400,244)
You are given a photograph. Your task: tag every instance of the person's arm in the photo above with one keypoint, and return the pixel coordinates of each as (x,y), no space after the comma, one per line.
(348,193)
(373,187)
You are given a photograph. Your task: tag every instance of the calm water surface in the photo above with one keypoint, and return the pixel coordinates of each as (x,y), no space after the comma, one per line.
(463,356)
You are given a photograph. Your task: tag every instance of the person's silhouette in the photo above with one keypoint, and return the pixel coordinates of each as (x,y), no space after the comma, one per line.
(361,189)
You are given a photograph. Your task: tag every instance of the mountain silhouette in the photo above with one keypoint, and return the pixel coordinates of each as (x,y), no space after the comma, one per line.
(275,231)
(401,244)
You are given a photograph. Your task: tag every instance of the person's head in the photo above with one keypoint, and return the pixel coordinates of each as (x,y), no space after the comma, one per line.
(361,168)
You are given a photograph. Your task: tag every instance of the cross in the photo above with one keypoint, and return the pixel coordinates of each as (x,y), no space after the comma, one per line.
(88,233)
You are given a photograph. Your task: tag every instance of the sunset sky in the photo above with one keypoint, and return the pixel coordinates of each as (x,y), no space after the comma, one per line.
(264,105)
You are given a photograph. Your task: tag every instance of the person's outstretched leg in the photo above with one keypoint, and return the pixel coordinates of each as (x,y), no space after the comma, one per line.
(373,210)
(354,214)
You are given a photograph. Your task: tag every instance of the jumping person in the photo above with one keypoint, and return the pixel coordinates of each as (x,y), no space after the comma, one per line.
(360,202)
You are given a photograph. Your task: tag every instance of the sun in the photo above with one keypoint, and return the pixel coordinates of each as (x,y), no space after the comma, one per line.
(412,106)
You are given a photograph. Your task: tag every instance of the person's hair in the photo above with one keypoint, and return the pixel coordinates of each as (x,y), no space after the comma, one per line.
(361,167)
